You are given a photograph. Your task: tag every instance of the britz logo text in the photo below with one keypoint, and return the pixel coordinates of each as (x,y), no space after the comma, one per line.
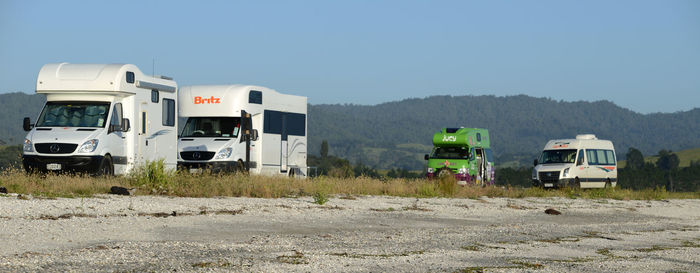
(200,100)
(449,138)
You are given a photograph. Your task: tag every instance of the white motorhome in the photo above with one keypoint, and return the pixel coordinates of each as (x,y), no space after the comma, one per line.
(226,121)
(101,118)
(584,162)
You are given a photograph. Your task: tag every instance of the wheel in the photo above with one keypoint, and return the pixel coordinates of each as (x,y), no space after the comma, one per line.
(292,173)
(577,183)
(240,167)
(608,184)
(106,167)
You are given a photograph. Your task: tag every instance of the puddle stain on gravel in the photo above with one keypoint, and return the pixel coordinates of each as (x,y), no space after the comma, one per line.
(518,265)
(383,210)
(479,247)
(140,214)
(296,258)
(387,255)
(66,216)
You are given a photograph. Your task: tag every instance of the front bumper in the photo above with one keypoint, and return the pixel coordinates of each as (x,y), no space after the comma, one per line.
(560,183)
(214,166)
(68,163)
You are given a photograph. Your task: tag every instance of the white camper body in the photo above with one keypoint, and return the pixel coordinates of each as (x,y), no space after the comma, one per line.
(584,162)
(102,119)
(212,136)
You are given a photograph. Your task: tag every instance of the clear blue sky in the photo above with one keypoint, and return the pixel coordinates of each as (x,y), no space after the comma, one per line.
(642,55)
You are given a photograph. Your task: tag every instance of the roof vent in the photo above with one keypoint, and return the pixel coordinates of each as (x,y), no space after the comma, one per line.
(586,136)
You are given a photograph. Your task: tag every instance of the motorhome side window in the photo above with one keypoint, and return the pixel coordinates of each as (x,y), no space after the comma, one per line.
(154,95)
(489,155)
(116,115)
(296,123)
(73,114)
(255,97)
(168,112)
(600,157)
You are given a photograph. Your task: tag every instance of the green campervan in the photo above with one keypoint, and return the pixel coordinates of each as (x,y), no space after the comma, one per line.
(464,153)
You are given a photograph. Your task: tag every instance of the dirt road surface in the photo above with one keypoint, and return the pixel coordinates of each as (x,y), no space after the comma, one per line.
(347,234)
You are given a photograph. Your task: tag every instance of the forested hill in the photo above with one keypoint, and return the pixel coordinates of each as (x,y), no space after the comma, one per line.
(397,134)
(13,108)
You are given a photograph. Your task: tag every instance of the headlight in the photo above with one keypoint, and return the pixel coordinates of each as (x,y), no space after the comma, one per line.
(463,170)
(89,146)
(223,153)
(431,170)
(28,147)
(566,172)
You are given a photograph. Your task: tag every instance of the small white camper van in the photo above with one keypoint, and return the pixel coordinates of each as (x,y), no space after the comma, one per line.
(101,118)
(242,127)
(584,162)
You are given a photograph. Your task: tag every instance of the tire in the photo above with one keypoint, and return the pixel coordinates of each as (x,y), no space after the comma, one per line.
(240,167)
(292,173)
(106,167)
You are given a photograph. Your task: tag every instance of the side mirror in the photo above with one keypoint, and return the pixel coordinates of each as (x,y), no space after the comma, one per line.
(426,157)
(26,124)
(126,126)
(534,162)
(254,136)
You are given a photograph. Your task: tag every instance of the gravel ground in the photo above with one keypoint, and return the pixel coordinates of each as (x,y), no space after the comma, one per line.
(367,234)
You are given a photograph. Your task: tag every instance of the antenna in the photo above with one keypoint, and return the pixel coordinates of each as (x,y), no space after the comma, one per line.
(153,67)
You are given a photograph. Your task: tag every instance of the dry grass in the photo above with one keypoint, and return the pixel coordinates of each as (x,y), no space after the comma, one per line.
(189,185)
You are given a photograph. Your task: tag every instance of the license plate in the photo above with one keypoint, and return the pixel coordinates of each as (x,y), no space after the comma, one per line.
(548,185)
(195,171)
(53,166)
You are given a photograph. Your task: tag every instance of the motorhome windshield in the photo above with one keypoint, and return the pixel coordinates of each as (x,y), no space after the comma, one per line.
(450,153)
(211,127)
(73,114)
(557,156)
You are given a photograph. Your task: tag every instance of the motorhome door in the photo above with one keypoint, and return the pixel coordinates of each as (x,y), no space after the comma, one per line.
(143,129)
(117,139)
(283,150)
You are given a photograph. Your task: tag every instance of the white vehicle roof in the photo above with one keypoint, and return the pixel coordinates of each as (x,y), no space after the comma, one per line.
(228,100)
(580,142)
(97,78)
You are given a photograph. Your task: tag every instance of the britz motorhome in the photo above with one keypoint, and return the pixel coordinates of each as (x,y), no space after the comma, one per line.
(101,118)
(584,162)
(242,127)
(462,152)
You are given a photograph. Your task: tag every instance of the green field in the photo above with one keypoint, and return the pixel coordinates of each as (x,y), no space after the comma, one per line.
(685,156)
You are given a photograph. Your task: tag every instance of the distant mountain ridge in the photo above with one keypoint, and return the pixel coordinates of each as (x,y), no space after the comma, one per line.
(397,134)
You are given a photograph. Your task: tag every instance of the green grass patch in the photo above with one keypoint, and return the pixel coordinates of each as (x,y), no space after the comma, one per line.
(154,180)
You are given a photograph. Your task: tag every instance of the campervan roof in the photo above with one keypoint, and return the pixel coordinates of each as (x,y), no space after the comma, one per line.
(581,141)
(98,78)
